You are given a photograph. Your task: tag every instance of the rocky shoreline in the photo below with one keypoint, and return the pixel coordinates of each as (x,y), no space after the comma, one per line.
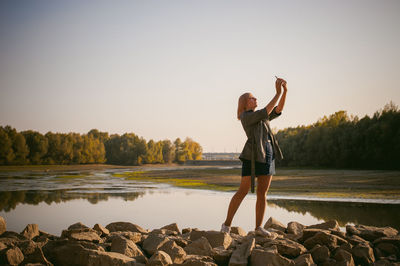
(125,243)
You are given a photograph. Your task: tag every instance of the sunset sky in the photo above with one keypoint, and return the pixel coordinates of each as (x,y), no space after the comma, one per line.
(168,69)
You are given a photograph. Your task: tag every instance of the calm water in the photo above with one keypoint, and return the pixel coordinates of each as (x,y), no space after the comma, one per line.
(54,203)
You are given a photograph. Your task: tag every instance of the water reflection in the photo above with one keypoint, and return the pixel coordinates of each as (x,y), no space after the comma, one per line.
(346,212)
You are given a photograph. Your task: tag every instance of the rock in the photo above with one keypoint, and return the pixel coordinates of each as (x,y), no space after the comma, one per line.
(200,246)
(260,257)
(165,232)
(395,240)
(338,233)
(153,242)
(221,256)
(286,247)
(179,241)
(3,225)
(329,225)
(323,238)
(330,262)
(11,256)
(372,233)
(352,230)
(77,226)
(30,231)
(176,252)
(295,228)
(66,252)
(344,257)
(133,236)
(159,258)
(215,238)
(101,229)
(304,260)
(385,262)
(128,248)
(240,256)
(388,249)
(320,253)
(238,231)
(355,240)
(308,233)
(36,256)
(2,246)
(172,227)
(82,235)
(125,226)
(197,260)
(347,247)
(186,230)
(273,223)
(363,254)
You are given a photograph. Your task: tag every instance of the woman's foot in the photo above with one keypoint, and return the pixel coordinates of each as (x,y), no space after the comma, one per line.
(225,228)
(263,232)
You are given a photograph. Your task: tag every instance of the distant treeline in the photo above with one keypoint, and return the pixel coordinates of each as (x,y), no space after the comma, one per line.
(31,147)
(340,141)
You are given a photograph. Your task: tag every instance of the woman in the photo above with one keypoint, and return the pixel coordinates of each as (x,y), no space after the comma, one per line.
(262,147)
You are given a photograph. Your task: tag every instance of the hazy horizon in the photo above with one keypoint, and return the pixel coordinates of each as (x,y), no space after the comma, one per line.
(172,69)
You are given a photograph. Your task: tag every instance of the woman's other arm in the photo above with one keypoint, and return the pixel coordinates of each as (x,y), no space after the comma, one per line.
(281,103)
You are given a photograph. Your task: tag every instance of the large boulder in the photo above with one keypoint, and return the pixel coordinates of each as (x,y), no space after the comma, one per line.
(159,258)
(172,227)
(125,226)
(372,233)
(295,228)
(344,258)
(127,248)
(308,233)
(11,256)
(101,229)
(30,231)
(77,226)
(200,246)
(238,231)
(329,225)
(323,238)
(215,238)
(275,224)
(304,260)
(133,236)
(259,257)
(153,242)
(176,252)
(286,247)
(32,252)
(87,234)
(363,254)
(3,226)
(240,256)
(221,256)
(320,253)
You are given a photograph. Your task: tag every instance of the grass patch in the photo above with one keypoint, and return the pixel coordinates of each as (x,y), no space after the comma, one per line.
(71,176)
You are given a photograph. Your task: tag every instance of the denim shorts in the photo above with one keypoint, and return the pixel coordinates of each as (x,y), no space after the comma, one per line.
(267,168)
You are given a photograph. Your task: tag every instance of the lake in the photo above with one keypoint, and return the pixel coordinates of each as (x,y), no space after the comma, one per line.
(55,201)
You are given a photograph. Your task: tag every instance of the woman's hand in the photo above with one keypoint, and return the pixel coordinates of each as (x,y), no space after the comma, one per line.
(278,85)
(284,85)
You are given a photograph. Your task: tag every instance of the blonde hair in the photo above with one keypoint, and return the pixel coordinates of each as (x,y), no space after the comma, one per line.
(242,103)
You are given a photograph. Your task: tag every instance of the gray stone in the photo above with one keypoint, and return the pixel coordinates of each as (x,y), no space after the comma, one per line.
(363,254)
(159,258)
(275,224)
(260,257)
(165,232)
(127,248)
(125,226)
(240,256)
(172,227)
(320,253)
(133,236)
(101,229)
(200,246)
(329,225)
(82,235)
(3,225)
(215,238)
(323,238)
(372,233)
(179,241)
(176,252)
(153,242)
(304,260)
(30,231)
(295,228)
(286,247)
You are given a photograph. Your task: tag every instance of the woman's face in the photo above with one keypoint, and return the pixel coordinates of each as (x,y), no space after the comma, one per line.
(251,102)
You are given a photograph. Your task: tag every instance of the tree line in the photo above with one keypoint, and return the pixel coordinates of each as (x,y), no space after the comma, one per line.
(31,147)
(342,141)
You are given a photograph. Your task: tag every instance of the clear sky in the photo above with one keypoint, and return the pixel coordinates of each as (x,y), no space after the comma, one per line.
(168,69)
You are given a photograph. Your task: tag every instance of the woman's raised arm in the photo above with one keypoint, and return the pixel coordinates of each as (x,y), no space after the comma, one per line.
(281,103)
(270,106)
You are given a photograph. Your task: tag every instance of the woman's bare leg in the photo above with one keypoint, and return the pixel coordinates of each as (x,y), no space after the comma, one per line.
(263,183)
(237,199)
